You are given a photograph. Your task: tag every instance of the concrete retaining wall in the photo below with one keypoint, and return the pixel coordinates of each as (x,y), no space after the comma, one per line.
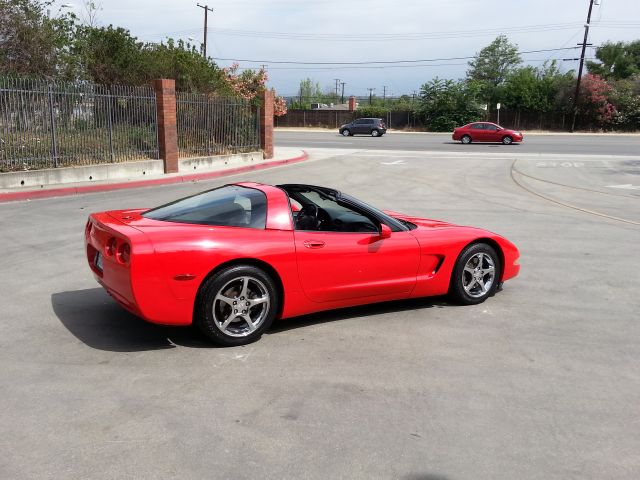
(125,170)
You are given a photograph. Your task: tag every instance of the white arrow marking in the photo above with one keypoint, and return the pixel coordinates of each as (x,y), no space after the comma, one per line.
(627,186)
(397,162)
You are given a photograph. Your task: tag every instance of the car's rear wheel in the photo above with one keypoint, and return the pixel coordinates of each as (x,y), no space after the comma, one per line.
(346,132)
(466,139)
(476,274)
(507,140)
(237,305)
(375,133)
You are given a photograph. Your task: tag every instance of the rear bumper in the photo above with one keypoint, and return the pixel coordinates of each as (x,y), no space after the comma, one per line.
(139,285)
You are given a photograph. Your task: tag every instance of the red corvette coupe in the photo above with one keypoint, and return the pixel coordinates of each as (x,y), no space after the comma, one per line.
(486,132)
(234,258)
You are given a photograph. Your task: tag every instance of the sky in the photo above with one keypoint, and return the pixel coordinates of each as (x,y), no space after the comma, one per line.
(271,31)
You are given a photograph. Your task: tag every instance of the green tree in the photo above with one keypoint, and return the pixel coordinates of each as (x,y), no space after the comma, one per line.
(31,42)
(492,65)
(182,62)
(446,104)
(536,89)
(617,61)
(110,55)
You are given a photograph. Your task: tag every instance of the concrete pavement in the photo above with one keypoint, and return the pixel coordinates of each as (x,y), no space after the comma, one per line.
(539,382)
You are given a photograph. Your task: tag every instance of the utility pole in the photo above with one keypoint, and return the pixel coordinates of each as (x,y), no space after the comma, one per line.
(337,80)
(342,97)
(584,48)
(370,94)
(384,93)
(204,41)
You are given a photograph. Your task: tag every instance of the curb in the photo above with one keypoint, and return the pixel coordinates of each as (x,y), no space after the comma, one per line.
(66,191)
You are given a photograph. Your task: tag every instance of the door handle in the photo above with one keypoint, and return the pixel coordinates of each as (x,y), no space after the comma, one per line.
(313,243)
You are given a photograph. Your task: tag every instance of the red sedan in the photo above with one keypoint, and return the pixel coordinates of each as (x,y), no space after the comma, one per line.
(486,132)
(233,259)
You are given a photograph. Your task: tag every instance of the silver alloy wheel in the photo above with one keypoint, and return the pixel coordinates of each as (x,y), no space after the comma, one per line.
(241,306)
(375,133)
(478,275)
(507,140)
(346,133)
(466,139)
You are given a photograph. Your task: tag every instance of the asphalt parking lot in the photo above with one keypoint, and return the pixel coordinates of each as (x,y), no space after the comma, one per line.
(539,382)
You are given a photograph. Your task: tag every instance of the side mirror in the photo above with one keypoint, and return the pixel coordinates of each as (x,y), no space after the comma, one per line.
(385,231)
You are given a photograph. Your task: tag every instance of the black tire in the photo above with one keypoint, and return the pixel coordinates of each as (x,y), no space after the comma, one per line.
(464,289)
(507,140)
(375,133)
(466,139)
(346,132)
(227,280)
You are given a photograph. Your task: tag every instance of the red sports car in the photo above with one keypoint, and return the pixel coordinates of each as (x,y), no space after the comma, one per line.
(486,132)
(234,258)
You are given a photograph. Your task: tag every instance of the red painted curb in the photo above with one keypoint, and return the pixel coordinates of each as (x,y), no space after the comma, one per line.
(65,191)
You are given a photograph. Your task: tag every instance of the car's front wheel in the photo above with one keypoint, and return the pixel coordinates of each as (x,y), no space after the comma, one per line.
(375,133)
(346,132)
(466,139)
(507,140)
(476,274)
(237,305)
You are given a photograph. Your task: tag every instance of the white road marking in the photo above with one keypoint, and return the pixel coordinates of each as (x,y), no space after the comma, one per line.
(627,186)
(397,162)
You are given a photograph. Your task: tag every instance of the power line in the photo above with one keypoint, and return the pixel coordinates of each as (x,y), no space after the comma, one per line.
(395,36)
(378,62)
(384,67)
(401,36)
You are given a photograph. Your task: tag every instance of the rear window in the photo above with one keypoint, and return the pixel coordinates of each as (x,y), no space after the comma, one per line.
(229,206)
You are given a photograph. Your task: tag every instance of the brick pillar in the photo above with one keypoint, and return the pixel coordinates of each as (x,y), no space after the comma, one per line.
(167,132)
(352,104)
(266,123)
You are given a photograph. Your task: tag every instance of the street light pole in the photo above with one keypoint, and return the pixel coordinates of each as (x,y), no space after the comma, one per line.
(584,48)
(370,94)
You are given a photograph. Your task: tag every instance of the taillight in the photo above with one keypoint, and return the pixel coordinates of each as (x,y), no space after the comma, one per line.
(110,247)
(123,253)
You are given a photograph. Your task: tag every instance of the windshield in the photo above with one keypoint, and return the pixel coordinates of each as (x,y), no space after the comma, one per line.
(293,190)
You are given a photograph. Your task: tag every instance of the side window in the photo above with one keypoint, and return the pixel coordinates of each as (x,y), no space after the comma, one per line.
(230,206)
(477,126)
(492,128)
(322,214)
(360,122)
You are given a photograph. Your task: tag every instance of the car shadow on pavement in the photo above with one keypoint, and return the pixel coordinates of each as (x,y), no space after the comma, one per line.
(95,319)
(98,321)
(425,476)
(359,311)
(482,144)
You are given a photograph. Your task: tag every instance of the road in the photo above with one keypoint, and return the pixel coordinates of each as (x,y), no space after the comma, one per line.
(539,382)
(544,144)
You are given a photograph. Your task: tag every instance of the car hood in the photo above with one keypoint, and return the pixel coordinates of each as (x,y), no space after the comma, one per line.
(421,222)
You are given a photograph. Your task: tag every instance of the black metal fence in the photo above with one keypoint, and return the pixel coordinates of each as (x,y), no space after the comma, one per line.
(215,126)
(45,125)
